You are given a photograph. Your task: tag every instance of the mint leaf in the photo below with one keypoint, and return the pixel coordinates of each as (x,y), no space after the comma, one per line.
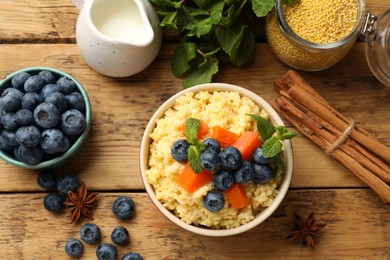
(192,130)
(262,7)
(167,3)
(202,73)
(184,54)
(272,147)
(194,159)
(204,4)
(233,12)
(246,48)
(169,20)
(265,128)
(230,39)
(278,164)
(284,133)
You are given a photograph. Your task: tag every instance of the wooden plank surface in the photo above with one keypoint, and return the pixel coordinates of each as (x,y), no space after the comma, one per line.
(32,232)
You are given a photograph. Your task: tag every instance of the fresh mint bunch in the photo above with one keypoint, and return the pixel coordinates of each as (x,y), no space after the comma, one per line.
(272,146)
(211,30)
(196,148)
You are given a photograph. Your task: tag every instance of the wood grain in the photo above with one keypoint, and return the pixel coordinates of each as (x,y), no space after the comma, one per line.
(34,233)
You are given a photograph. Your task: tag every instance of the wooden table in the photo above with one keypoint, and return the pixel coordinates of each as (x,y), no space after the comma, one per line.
(41,33)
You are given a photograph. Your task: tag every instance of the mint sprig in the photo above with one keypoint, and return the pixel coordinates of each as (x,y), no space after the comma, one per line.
(196,148)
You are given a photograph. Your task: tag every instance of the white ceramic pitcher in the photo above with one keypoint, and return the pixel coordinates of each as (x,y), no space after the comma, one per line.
(118,38)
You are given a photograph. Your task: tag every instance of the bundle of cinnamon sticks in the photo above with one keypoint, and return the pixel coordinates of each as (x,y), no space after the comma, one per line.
(356,149)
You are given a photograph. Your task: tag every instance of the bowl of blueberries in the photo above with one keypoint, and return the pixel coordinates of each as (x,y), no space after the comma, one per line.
(45,117)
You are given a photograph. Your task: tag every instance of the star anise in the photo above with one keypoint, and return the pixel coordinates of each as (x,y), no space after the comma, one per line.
(305,230)
(79,203)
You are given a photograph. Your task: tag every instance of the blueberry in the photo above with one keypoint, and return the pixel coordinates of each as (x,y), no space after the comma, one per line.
(19,79)
(210,160)
(66,85)
(262,173)
(123,207)
(132,256)
(76,101)
(28,136)
(34,84)
(72,122)
(52,140)
(231,158)
(244,173)
(9,137)
(179,150)
(214,201)
(67,183)
(30,155)
(4,146)
(258,156)
(223,180)
(64,145)
(54,202)
(10,100)
(74,247)
(31,100)
(16,152)
(24,117)
(90,233)
(106,252)
(58,100)
(212,144)
(120,236)
(8,121)
(48,89)
(46,115)
(47,76)
(47,180)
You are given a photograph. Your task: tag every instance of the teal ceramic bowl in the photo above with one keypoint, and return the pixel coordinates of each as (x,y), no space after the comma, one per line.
(75,147)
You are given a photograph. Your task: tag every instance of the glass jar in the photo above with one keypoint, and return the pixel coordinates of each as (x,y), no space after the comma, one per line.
(321,42)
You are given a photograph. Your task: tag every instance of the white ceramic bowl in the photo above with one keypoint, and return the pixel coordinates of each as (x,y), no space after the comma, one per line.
(260,217)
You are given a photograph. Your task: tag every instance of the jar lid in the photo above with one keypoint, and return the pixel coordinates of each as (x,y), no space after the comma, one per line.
(378,46)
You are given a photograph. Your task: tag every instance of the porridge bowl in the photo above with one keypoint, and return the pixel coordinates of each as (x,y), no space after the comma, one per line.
(218,199)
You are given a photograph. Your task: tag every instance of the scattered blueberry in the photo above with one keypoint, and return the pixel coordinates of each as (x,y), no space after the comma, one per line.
(106,252)
(31,100)
(90,233)
(19,79)
(47,180)
(30,155)
(212,144)
(52,141)
(48,89)
(120,236)
(72,122)
(34,84)
(244,173)
(10,100)
(28,136)
(66,85)
(74,247)
(9,137)
(258,156)
(24,117)
(123,207)
(8,121)
(179,150)
(47,76)
(231,158)
(262,173)
(132,256)
(46,115)
(214,201)
(223,180)
(54,202)
(58,100)
(210,160)
(76,101)
(67,183)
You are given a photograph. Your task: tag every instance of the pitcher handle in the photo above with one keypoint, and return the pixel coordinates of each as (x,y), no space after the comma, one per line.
(78,3)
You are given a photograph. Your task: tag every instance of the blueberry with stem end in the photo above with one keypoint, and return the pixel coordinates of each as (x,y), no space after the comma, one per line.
(67,182)
(28,136)
(106,251)
(90,233)
(31,100)
(66,85)
(46,115)
(74,247)
(72,122)
(19,79)
(54,202)
(47,180)
(123,207)
(244,173)
(120,236)
(30,155)
(214,201)
(179,150)
(223,180)
(132,256)
(262,173)
(231,158)
(34,84)
(210,160)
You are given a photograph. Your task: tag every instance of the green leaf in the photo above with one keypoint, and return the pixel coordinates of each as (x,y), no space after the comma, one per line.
(192,130)
(272,147)
(264,127)
(204,4)
(216,12)
(246,48)
(233,12)
(194,159)
(230,39)
(284,133)
(262,7)
(169,20)
(167,3)
(203,73)
(278,164)
(181,61)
